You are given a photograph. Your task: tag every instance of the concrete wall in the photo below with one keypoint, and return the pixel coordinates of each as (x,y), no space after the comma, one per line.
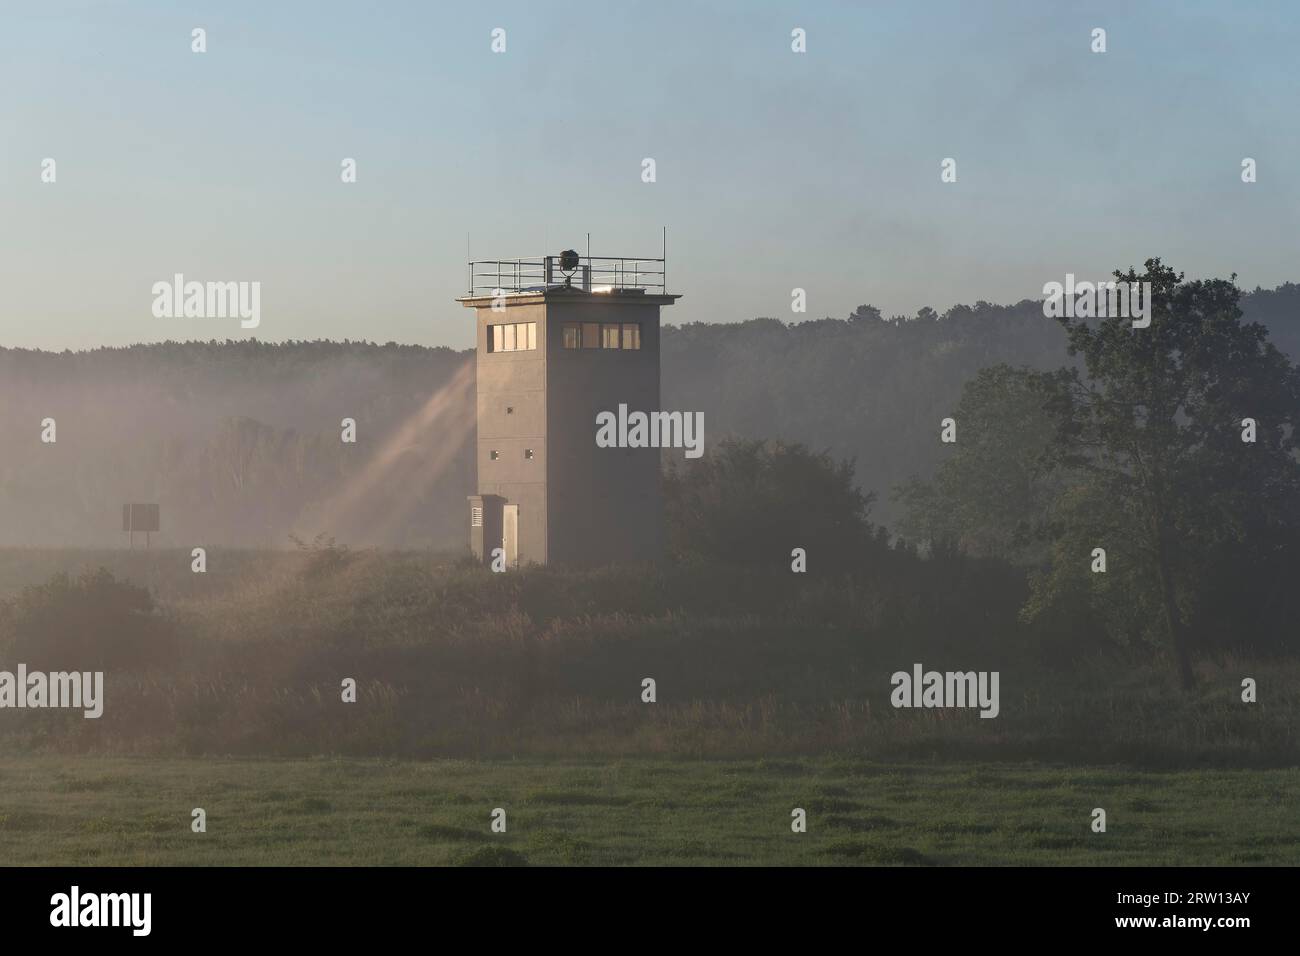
(514,380)
(605,503)
(578,504)
(488,535)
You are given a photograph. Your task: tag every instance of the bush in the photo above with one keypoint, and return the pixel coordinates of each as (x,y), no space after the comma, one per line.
(91,622)
(752,502)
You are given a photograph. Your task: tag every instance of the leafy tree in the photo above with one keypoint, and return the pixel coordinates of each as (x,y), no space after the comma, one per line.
(1140,452)
(1157,428)
(992,496)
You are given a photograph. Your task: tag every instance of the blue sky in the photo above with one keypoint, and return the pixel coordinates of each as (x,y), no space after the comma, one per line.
(775,170)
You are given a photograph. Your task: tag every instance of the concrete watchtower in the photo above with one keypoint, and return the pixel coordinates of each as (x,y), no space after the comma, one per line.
(561,339)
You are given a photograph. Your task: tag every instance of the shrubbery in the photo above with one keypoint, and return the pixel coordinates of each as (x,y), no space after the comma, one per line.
(751,502)
(90,622)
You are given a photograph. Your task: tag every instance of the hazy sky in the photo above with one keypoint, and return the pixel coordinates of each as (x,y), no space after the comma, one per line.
(775,170)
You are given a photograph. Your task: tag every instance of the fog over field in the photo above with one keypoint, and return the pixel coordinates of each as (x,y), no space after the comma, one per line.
(239,442)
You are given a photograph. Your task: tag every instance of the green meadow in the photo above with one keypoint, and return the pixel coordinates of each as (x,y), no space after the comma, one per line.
(523,692)
(137,811)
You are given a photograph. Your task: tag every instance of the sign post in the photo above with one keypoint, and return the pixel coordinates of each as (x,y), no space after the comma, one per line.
(142,517)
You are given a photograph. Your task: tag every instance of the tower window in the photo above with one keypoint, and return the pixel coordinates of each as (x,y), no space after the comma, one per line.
(512,337)
(528,454)
(494,454)
(476,517)
(510,409)
(598,335)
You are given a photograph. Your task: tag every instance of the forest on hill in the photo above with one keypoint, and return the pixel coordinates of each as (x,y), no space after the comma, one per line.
(239,441)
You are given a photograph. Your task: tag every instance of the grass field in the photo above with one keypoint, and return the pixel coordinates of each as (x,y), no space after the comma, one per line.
(131,811)
(523,691)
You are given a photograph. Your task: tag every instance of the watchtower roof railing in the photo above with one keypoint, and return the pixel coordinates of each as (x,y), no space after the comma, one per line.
(613,274)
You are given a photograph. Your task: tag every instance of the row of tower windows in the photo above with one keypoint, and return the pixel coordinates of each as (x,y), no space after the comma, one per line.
(512,337)
(522,336)
(601,335)
(496,455)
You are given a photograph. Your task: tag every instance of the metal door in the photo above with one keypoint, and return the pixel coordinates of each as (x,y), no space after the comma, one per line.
(510,534)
